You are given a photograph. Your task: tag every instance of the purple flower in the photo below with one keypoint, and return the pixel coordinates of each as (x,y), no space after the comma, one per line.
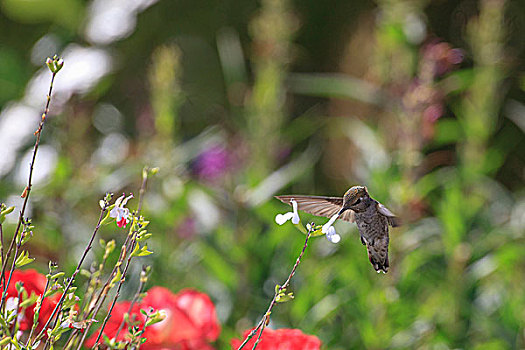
(443,56)
(212,163)
(186,228)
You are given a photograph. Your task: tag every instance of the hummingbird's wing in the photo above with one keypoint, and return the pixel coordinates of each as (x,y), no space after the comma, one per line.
(319,205)
(392,219)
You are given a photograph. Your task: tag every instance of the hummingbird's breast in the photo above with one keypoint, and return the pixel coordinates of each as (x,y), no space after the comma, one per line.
(371,224)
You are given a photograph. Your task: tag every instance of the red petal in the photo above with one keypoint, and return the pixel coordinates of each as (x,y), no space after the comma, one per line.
(122,223)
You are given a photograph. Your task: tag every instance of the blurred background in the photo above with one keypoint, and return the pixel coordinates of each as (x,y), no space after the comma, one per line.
(236,101)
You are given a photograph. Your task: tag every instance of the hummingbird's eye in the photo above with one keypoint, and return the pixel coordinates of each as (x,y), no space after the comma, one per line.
(357,201)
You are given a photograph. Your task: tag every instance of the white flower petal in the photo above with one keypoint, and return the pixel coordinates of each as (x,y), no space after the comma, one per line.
(119,200)
(282,218)
(114,212)
(126,200)
(295,219)
(332,236)
(11,304)
(329,224)
(124,212)
(294,205)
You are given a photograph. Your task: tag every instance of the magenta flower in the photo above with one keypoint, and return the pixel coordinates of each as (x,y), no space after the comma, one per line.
(212,163)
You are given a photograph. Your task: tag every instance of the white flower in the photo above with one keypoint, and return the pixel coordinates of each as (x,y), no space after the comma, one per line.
(119,212)
(11,305)
(332,236)
(329,230)
(329,224)
(282,218)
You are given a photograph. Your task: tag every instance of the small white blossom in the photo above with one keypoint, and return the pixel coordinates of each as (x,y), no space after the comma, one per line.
(119,212)
(11,305)
(332,236)
(293,215)
(329,224)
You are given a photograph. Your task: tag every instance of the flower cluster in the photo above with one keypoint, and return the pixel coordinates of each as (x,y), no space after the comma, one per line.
(425,98)
(190,321)
(328,228)
(289,339)
(34,284)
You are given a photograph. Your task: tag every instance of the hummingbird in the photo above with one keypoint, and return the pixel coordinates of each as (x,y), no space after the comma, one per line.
(371,217)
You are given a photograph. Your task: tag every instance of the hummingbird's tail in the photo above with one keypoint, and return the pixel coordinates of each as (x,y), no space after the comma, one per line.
(378,255)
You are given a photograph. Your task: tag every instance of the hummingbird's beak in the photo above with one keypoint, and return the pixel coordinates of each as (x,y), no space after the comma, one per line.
(341,211)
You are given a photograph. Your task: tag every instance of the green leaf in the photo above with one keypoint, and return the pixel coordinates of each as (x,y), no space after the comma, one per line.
(57,275)
(6,340)
(107,219)
(143,251)
(5,212)
(447,131)
(29,301)
(23,259)
(335,85)
(117,277)
(283,297)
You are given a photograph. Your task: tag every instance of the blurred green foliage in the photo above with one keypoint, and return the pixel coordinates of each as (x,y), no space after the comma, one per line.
(423,102)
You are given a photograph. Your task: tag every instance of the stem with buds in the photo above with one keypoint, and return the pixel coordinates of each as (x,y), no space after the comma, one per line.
(266,317)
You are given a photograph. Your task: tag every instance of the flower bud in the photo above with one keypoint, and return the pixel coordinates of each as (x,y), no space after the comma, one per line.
(50,64)
(59,64)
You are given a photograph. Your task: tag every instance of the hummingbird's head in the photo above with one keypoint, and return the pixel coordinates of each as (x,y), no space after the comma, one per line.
(356,198)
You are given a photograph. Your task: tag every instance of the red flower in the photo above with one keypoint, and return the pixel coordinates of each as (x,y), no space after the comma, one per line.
(34,283)
(280,339)
(190,323)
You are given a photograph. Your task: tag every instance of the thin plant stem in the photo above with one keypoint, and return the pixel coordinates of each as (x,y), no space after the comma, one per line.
(92,286)
(142,189)
(132,243)
(136,347)
(2,244)
(72,279)
(15,324)
(105,289)
(27,190)
(266,318)
(37,311)
(117,294)
(135,298)
(13,265)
